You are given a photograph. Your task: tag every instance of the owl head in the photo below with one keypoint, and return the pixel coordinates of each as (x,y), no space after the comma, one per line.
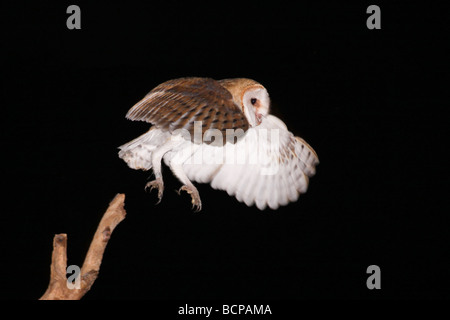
(251,96)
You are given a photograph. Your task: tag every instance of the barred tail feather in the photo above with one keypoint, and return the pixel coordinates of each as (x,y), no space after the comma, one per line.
(138,152)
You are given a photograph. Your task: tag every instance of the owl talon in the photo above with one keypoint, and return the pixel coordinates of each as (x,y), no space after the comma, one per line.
(158,184)
(196,202)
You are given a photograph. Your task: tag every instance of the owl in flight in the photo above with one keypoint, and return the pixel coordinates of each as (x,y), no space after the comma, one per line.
(220,132)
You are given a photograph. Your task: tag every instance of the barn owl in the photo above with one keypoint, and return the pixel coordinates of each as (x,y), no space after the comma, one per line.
(221,133)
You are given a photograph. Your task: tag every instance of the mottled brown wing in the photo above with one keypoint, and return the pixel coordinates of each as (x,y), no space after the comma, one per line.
(177,104)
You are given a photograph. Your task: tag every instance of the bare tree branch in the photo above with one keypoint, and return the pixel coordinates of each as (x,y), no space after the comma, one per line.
(58,288)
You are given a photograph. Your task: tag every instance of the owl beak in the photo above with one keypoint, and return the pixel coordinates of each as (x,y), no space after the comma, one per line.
(258,118)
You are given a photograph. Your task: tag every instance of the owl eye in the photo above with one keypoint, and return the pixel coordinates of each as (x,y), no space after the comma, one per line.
(253,100)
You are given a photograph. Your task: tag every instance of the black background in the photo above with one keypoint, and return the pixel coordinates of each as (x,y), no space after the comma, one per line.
(369,102)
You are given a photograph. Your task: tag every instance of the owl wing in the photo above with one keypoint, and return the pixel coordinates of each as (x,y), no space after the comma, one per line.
(177,104)
(273,170)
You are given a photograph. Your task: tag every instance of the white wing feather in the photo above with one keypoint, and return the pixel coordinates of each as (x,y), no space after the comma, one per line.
(268,167)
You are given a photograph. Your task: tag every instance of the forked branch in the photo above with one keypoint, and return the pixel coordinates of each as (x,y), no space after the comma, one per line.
(59,288)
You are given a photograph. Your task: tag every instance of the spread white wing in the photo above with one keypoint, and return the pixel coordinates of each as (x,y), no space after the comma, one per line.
(268,167)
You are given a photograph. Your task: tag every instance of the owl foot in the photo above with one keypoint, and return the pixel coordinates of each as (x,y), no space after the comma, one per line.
(196,202)
(158,184)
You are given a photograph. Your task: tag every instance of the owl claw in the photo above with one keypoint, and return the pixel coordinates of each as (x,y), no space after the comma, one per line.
(196,202)
(158,184)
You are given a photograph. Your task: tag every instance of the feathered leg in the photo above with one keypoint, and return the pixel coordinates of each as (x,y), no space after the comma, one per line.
(178,171)
(157,156)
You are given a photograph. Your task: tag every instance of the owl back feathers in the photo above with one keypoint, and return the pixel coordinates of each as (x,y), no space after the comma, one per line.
(179,103)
